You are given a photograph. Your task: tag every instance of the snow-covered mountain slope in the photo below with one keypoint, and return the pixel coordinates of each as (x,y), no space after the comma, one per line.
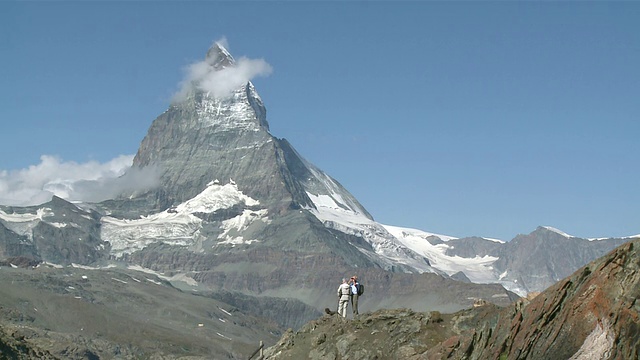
(560,232)
(408,247)
(411,248)
(23,223)
(182,225)
(481,260)
(336,214)
(478,269)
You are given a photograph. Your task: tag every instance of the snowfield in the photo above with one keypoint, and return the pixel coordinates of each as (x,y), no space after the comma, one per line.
(180,226)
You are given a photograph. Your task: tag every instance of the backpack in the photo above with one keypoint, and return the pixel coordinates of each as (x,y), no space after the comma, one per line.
(360,289)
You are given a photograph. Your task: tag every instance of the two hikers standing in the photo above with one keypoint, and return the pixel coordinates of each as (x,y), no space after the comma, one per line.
(348,291)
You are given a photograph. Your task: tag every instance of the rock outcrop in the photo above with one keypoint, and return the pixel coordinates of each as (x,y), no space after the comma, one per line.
(383,334)
(593,314)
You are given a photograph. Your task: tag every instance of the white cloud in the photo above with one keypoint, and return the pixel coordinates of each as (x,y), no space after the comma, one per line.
(91,181)
(223,82)
(220,82)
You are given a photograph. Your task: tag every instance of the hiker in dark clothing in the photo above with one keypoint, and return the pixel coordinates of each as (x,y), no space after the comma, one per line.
(354,284)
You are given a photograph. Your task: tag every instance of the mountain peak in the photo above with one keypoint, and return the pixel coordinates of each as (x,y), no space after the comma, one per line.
(219,57)
(554,230)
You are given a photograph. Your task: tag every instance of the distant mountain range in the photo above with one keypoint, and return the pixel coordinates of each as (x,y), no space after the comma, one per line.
(237,211)
(527,263)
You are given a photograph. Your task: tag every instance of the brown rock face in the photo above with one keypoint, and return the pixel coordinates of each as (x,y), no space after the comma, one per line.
(593,314)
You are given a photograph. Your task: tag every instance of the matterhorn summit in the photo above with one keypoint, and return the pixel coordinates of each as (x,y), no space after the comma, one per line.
(218,132)
(218,57)
(208,135)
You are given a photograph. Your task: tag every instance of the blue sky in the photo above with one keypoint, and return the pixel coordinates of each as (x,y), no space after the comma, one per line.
(459,118)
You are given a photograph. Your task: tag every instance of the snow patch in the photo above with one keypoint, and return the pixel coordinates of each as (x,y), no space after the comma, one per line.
(177,277)
(557,231)
(238,240)
(495,240)
(216,197)
(624,237)
(333,211)
(55,266)
(23,224)
(58,225)
(178,226)
(239,224)
(334,199)
(127,236)
(477,269)
(224,311)
(84,267)
(28,217)
(502,276)
(183,278)
(408,232)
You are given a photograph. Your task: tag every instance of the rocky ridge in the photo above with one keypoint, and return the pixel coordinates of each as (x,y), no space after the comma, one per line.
(592,314)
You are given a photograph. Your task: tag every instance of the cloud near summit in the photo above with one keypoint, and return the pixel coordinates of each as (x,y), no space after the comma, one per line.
(91,181)
(220,83)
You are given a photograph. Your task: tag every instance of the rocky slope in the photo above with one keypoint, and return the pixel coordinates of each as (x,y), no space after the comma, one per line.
(81,313)
(544,257)
(383,334)
(592,314)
